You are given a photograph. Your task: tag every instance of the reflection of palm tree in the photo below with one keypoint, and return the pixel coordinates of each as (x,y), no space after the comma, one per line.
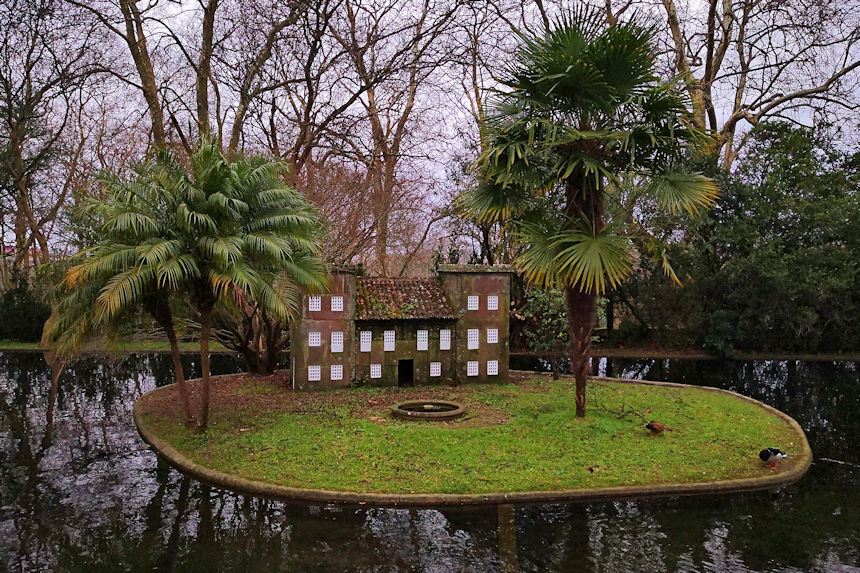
(508,558)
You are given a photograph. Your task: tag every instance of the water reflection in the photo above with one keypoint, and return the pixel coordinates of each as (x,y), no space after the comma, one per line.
(94,498)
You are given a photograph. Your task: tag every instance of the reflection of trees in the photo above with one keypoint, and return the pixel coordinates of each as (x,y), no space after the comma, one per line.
(104,503)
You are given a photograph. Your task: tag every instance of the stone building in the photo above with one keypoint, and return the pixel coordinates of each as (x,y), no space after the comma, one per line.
(450,328)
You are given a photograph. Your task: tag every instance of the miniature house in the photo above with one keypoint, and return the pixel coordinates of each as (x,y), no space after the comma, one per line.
(450,328)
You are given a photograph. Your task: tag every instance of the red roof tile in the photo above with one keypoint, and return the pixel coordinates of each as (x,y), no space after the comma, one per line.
(395,299)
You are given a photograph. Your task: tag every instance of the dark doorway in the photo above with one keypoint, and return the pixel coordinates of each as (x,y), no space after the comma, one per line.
(405,373)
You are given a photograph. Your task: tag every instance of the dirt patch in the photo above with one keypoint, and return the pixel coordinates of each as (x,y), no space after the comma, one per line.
(238,395)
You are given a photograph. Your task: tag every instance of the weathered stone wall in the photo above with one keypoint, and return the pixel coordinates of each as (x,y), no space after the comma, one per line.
(462,281)
(406,348)
(325,321)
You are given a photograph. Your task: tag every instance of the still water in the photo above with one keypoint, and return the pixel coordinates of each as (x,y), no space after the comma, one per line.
(89,496)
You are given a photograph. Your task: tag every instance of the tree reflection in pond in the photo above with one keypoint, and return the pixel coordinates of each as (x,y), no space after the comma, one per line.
(94,498)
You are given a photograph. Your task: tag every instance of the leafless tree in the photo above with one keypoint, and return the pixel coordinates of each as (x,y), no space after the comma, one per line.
(45,61)
(743,61)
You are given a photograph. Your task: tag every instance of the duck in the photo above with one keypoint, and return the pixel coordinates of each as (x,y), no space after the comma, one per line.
(655,428)
(771,457)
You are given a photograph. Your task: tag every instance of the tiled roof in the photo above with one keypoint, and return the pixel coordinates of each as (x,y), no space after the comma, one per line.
(394,299)
(475,269)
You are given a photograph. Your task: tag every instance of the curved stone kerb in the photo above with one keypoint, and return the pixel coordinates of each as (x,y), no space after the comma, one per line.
(803,460)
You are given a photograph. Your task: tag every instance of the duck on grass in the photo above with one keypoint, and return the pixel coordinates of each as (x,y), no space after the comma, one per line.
(514,437)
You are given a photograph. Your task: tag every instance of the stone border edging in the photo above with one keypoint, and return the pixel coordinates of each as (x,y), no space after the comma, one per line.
(280,492)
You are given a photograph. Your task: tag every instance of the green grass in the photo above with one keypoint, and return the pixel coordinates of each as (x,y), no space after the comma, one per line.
(539,445)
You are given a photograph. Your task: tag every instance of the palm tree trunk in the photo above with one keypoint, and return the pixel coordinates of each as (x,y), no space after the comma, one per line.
(159,307)
(581,309)
(179,374)
(205,332)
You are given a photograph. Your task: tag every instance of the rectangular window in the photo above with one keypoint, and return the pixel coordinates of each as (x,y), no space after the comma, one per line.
(473,337)
(337,341)
(472,303)
(422,340)
(365,337)
(444,340)
(435,369)
(314,303)
(313,373)
(314,339)
(492,302)
(472,368)
(376,370)
(492,367)
(337,371)
(337,303)
(492,336)
(388,341)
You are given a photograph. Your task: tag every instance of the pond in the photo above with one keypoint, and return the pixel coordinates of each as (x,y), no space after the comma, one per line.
(90,496)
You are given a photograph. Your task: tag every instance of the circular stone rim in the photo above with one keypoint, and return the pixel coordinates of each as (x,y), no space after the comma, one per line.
(398,412)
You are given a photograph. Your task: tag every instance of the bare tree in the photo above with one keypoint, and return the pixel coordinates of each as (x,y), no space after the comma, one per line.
(406,50)
(743,61)
(45,60)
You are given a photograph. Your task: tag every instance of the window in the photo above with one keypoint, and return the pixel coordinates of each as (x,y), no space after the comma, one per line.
(314,339)
(435,369)
(472,303)
(444,340)
(492,302)
(473,338)
(337,341)
(422,340)
(492,367)
(313,373)
(388,341)
(376,370)
(314,303)
(337,371)
(492,336)
(337,303)
(365,336)
(472,368)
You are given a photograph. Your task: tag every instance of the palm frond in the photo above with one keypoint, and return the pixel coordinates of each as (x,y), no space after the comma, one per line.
(577,256)
(123,291)
(489,202)
(683,191)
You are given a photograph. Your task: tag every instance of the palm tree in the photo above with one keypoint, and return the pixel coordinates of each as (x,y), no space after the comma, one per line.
(242,233)
(124,228)
(583,113)
(213,230)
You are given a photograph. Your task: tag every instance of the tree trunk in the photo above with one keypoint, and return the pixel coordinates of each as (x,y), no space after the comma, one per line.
(205,332)
(584,200)
(179,374)
(159,307)
(136,41)
(581,309)
(610,314)
(204,67)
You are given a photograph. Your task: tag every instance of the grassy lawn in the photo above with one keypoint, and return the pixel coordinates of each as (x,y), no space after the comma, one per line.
(515,437)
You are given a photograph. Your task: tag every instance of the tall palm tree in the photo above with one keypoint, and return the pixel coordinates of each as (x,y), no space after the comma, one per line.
(581,113)
(209,228)
(123,228)
(241,232)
